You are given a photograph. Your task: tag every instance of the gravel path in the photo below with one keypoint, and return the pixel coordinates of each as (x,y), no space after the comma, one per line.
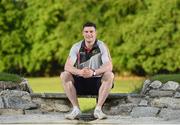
(59,119)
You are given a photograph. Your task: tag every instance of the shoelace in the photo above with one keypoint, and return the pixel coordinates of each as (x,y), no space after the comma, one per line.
(74,113)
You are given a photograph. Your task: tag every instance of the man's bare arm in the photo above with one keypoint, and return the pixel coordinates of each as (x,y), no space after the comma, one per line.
(107,67)
(85,72)
(70,68)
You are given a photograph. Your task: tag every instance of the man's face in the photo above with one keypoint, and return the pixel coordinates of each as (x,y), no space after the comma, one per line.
(89,34)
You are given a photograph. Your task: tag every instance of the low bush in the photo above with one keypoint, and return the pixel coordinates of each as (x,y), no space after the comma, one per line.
(10,77)
(166,77)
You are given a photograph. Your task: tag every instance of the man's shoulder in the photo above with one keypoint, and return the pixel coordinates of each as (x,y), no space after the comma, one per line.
(100,43)
(78,44)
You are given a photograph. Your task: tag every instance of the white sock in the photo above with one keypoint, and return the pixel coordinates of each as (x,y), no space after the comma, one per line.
(98,108)
(76,108)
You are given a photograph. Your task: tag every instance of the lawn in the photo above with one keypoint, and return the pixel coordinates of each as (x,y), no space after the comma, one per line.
(53,85)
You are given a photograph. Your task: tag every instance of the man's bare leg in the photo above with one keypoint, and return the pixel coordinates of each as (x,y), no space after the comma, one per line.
(107,82)
(67,81)
(70,91)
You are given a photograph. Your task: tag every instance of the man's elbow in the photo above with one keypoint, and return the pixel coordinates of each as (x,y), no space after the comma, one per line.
(66,68)
(110,68)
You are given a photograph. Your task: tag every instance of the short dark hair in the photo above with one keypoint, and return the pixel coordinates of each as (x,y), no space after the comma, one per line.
(89,24)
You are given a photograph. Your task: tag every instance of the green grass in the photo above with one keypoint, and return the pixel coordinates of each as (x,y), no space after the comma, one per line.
(166,77)
(45,84)
(53,85)
(10,77)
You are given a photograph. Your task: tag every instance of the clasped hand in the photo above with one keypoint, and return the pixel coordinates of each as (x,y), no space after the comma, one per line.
(86,72)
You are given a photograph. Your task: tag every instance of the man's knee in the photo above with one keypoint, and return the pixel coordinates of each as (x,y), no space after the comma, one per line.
(65,76)
(108,76)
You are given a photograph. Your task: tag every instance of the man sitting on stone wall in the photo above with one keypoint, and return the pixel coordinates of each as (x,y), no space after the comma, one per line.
(88,71)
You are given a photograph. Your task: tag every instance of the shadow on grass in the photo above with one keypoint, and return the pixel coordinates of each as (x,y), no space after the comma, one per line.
(89,110)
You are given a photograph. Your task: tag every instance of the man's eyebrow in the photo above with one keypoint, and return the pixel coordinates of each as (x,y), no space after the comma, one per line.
(89,30)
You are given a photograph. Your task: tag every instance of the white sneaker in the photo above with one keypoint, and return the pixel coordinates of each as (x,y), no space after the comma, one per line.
(99,114)
(73,114)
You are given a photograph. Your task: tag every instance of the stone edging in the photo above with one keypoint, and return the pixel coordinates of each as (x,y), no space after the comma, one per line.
(155,100)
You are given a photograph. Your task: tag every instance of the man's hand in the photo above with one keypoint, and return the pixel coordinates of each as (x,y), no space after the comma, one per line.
(86,72)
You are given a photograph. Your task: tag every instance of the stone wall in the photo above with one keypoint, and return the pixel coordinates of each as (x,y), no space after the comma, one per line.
(155,100)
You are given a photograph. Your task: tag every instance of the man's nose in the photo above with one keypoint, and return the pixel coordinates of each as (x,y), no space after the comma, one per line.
(89,33)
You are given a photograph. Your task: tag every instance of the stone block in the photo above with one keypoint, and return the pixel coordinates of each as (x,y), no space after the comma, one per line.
(134,100)
(158,93)
(51,105)
(18,103)
(169,114)
(144,112)
(155,84)
(11,111)
(170,85)
(166,102)
(145,87)
(123,109)
(177,95)
(16,93)
(143,102)
(34,111)
(1,103)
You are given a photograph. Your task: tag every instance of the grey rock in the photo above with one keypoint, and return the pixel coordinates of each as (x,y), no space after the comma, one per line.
(169,114)
(61,107)
(177,95)
(166,102)
(155,84)
(18,103)
(50,105)
(143,102)
(35,111)
(159,93)
(11,111)
(24,86)
(1,103)
(145,86)
(170,85)
(8,85)
(123,109)
(134,100)
(16,93)
(144,112)
(178,89)
(17,99)
(114,102)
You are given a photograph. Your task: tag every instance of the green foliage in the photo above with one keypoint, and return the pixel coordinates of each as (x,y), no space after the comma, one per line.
(143,35)
(166,77)
(10,77)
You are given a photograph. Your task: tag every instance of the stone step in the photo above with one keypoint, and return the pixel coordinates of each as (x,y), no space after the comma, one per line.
(63,95)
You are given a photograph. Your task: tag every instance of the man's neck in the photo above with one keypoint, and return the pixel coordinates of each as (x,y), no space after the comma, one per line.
(89,44)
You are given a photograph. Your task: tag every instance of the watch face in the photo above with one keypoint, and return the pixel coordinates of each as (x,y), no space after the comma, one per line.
(94,73)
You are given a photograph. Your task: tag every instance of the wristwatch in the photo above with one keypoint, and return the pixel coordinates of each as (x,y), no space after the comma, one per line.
(94,72)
